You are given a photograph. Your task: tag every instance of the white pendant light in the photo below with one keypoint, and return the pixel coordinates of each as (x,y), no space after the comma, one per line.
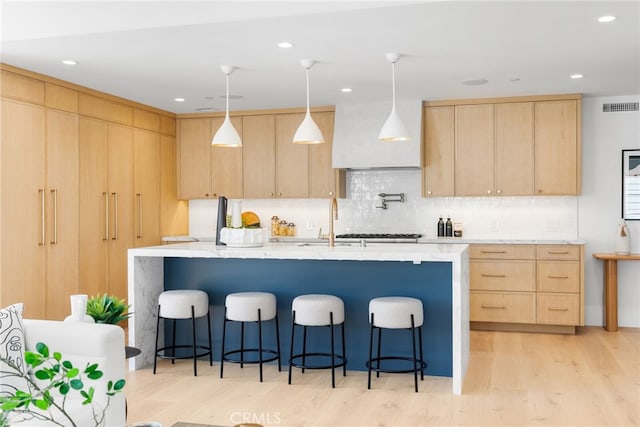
(227,135)
(394,129)
(308,132)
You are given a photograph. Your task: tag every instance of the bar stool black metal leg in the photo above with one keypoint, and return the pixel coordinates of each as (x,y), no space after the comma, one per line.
(260,342)
(242,344)
(293,330)
(193,330)
(173,341)
(155,354)
(415,360)
(379,345)
(224,333)
(333,353)
(210,347)
(304,347)
(344,352)
(370,354)
(421,355)
(278,342)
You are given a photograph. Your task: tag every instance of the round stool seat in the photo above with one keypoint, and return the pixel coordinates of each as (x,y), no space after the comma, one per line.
(177,304)
(244,306)
(395,312)
(315,309)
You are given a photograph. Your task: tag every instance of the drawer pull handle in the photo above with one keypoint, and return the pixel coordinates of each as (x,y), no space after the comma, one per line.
(493,252)
(493,275)
(558,309)
(558,252)
(501,307)
(554,276)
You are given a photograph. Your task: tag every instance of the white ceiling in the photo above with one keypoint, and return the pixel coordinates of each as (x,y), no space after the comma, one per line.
(152,52)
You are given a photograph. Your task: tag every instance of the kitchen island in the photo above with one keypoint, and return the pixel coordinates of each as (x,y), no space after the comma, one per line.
(435,273)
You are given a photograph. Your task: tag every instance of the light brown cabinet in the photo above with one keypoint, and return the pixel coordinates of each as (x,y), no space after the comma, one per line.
(107,200)
(540,286)
(503,147)
(439,153)
(146,187)
(259,157)
(39,235)
(557,153)
(324,180)
(292,160)
(206,171)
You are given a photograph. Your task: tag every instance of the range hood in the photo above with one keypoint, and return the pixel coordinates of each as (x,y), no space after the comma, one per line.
(355,137)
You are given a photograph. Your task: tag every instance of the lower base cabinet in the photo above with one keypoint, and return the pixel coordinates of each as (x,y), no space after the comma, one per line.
(527,287)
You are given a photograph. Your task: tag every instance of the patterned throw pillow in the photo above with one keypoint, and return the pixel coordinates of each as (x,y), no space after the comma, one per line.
(12,346)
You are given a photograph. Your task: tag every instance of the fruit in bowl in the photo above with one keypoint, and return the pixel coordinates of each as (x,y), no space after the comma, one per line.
(250,220)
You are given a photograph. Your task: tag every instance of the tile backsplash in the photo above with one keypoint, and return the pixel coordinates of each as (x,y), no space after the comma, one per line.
(540,217)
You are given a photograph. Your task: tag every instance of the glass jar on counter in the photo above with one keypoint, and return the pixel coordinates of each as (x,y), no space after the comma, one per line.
(291,229)
(283,228)
(275,225)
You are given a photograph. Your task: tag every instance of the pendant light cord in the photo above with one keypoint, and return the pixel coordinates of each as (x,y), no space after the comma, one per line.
(307,91)
(227,115)
(393,85)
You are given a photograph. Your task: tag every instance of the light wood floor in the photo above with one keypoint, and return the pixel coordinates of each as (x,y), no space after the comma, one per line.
(516,379)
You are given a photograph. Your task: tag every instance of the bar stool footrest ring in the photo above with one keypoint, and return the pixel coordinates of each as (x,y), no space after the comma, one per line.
(421,363)
(188,356)
(340,361)
(250,350)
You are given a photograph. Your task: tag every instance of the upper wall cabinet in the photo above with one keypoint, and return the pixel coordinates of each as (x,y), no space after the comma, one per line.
(268,165)
(557,155)
(504,147)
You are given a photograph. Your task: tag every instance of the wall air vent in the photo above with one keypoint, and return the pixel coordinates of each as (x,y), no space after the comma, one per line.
(619,107)
(205,108)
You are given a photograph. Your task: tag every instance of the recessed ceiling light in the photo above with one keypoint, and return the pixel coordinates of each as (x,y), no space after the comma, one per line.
(576,76)
(69,62)
(285,45)
(607,18)
(178,99)
(474,82)
(346,90)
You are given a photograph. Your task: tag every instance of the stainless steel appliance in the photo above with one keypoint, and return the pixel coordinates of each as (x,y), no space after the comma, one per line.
(380,237)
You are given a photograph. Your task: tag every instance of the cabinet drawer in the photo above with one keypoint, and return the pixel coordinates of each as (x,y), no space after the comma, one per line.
(558,309)
(559,276)
(522,252)
(505,307)
(558,252)
(502,275)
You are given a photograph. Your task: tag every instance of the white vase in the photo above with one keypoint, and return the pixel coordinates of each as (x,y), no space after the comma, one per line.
(623,239)
(236,213)
(79,309)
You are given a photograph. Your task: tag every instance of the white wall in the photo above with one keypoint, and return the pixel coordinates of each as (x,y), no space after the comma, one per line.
(604,135)
(591,217)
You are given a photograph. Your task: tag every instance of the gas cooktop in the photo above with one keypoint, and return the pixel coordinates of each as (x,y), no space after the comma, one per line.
(382,237)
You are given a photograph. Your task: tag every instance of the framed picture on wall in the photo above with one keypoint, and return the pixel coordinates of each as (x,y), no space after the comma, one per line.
(631,184)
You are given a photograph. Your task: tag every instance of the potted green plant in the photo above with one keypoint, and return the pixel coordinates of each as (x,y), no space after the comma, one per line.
(50,380)
(107,309)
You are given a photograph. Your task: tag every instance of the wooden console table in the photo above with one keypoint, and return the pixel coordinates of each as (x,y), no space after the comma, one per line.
(610,279)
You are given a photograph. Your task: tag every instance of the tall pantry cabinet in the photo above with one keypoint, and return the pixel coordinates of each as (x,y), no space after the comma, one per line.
(39,196)
(84,176)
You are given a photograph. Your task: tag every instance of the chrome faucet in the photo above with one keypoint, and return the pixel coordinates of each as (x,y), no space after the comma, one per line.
(333,214)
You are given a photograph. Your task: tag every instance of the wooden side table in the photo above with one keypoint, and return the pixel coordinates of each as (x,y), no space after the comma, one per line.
(610,279)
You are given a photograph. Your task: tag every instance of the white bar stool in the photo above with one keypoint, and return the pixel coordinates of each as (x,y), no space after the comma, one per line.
(256,307)
(396,313)
(317,310)
(183,305)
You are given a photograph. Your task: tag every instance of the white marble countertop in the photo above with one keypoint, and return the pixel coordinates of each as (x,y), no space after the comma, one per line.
(320,251)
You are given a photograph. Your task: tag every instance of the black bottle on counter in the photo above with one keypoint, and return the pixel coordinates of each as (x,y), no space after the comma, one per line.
(449,228)
(440,227)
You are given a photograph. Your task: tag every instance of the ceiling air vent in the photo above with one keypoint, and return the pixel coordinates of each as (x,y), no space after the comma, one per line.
(618,107)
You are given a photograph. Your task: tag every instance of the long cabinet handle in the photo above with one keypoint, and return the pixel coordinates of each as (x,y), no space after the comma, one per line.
(558,252)
(54,201)
(139,200)
(106,215)
(493,252)
(558,309)
(42,219)
(493,275)
(115,216)
(500,307)
(554,276)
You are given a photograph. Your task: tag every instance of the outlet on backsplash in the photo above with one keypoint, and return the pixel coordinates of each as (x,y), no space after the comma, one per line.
(553,226)
(495,225)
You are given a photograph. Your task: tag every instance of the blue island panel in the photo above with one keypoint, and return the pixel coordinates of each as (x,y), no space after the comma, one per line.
(356,282)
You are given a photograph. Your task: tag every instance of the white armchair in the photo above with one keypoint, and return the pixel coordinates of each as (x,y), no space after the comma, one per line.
(83,343)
